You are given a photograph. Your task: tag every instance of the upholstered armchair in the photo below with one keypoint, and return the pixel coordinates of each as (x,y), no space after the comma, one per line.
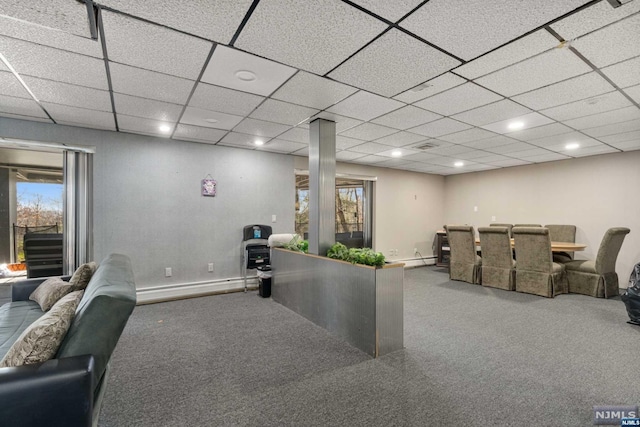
(598,277)
(536,273)
(498,266)
(464,262)
(495,224)
(562,233)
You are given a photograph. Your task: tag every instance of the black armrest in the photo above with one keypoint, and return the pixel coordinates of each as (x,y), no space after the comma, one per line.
(21,290)
(58,392)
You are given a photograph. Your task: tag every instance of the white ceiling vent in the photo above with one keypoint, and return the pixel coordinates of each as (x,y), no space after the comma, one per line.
(427,146)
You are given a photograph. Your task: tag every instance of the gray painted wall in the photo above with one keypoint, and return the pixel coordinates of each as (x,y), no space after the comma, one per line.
(5,216)
(147,201)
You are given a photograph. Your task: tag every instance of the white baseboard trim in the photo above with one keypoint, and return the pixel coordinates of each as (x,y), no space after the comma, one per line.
(418,262)
(194,289)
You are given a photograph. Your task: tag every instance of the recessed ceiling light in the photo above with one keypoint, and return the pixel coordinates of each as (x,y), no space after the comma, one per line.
(572,146)
(516,125)
(396,153)
(211,120)
(458,164)
(165,128)
(258,142)
(245,75)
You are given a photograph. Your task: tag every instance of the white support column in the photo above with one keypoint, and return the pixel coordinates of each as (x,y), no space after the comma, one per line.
(322,186)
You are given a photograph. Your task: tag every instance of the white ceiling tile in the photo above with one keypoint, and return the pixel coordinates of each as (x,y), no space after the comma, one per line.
(604,119)
(225,63)
(400,139)
(432,87)
(530,120)
(365,106)
(495,141)
(67,94)
(625,73)
(558,142)
(398,163)
(313,91)
(540,132)
(304,152)
(282,112)
(346,156)
(629,145)
(501,110)
(542,70)
(611,44)
(510,148)
(80,116)
(300,135)
(64,15)
(281,146)
(236,139)
(491,158)
(42,61)
(634,92)
(450,150)
(443,161)
(368,160)
(197,133)
(213,119)
(368,131)
(532,152)
(586,107)
(370,148)
(225,100)
(344,143)
(148,84)
(621,138)
(574,89)
(20,106)
(260,128)
(592,151)
(477,27)
(301,36)
(141,126)
(342,123)
(604,131)
(394,62)
(428,144)
(212,20)
(422,156)
(404,152)
(516,51)
(406,117)
(10,86)
(147,108)
(22,117)
(153,47)
(440,127)
(472,155)
(469,135)
(510,162)
(391,11)
(460,98)
(592,18)
(49,37)
(550,157)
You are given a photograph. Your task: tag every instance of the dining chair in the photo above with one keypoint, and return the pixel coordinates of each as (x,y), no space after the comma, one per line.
(498,266)
(495,224)
(598,278)
(464,262)
(562,233)
(527,225)
(536,273)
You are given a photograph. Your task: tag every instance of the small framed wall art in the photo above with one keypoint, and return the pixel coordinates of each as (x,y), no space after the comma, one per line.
(208,187)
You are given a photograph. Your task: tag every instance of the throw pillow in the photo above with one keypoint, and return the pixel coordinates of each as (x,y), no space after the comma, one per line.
(41,340)
(82,275)
(49,292)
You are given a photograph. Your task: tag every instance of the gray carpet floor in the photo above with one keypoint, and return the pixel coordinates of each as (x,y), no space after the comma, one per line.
(473,356)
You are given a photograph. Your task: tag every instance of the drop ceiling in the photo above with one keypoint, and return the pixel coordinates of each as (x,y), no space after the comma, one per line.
(413,85)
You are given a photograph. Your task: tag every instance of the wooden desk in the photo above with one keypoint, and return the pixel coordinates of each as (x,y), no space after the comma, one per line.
(557,246)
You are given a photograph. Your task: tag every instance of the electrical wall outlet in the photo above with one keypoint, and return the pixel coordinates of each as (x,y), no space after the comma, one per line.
(493,218)
(167,272)
(415,251)
(273,218)
(210,267)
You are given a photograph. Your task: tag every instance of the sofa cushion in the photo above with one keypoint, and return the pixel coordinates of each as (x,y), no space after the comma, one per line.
(40,341)
(49,292)
(82,276)
(15,317)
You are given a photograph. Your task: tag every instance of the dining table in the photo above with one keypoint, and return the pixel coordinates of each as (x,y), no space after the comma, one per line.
(557,246)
